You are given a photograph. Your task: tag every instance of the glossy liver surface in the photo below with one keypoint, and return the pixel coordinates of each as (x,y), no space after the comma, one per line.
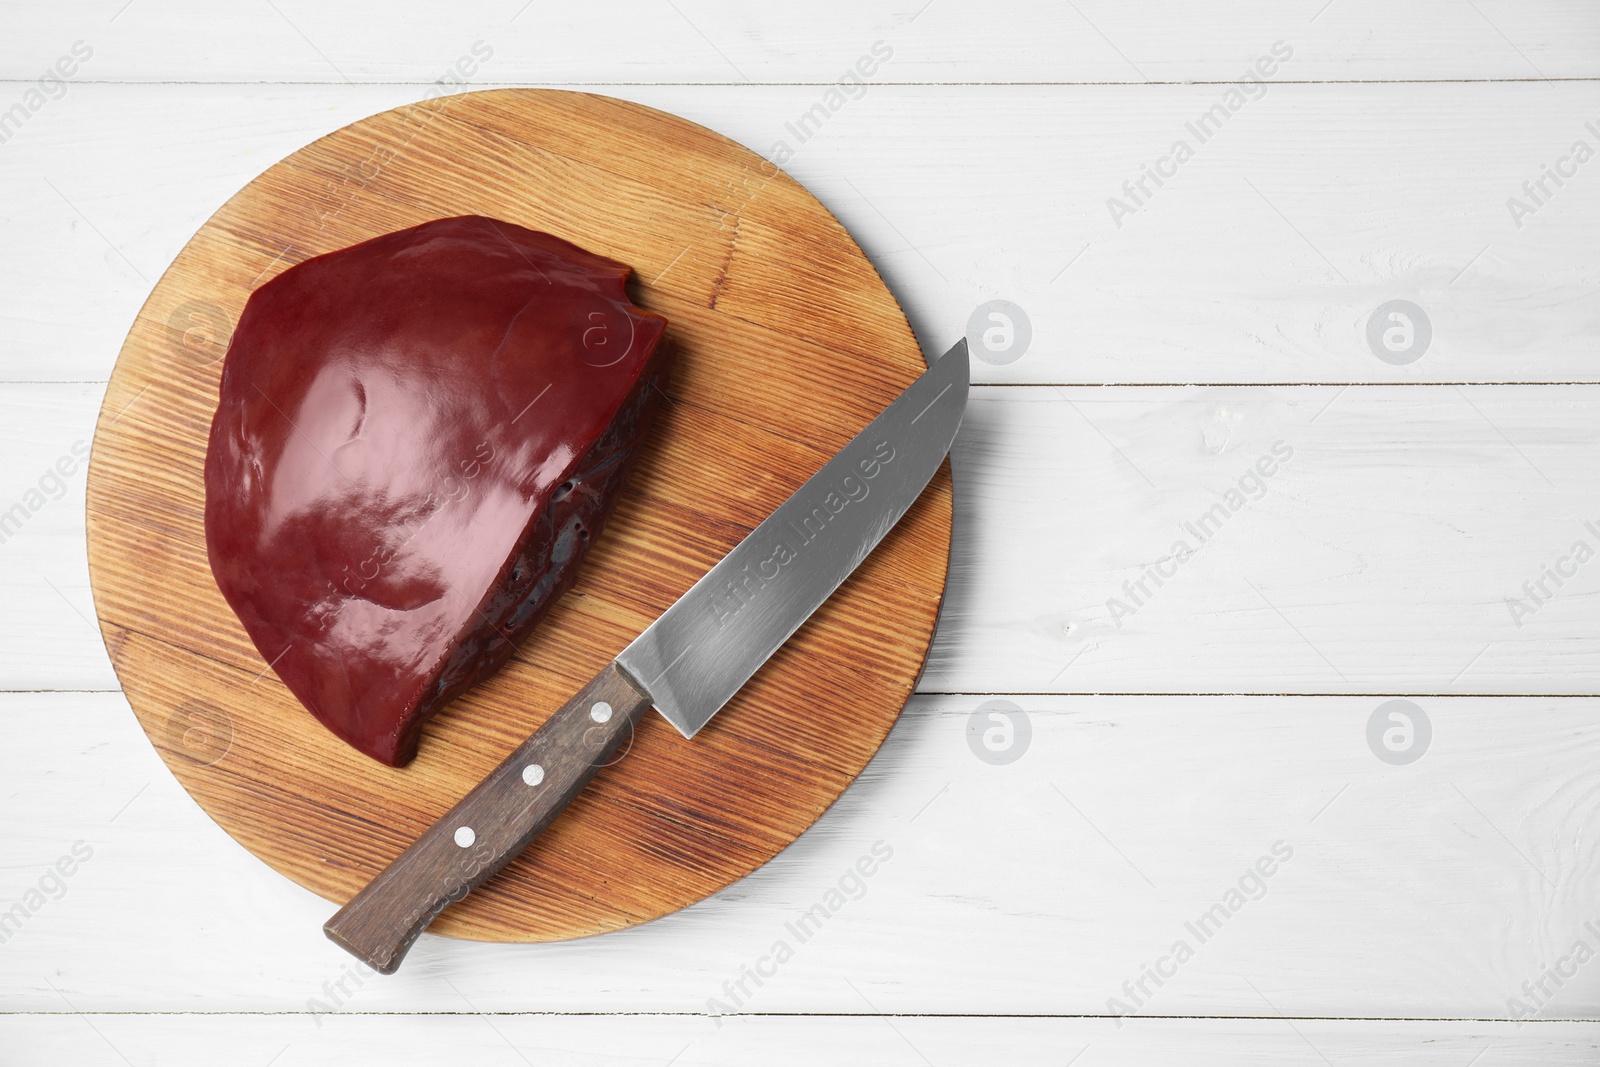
(416,440)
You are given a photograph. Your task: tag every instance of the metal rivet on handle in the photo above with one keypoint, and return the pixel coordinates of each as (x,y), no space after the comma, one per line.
(465,836)
(533,774)
(601,712)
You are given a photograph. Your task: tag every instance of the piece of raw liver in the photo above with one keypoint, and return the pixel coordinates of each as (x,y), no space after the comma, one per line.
(417,439)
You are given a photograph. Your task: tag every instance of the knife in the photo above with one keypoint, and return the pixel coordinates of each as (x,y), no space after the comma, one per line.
(687,664)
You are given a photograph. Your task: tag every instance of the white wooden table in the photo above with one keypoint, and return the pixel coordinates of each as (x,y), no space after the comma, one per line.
(1377,514)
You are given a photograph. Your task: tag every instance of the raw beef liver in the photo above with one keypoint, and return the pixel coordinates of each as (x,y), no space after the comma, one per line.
(418,437)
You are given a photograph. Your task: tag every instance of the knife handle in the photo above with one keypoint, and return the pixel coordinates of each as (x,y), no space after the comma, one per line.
(491,824)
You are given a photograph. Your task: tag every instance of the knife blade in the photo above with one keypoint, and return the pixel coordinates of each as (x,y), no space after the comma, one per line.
(687,664)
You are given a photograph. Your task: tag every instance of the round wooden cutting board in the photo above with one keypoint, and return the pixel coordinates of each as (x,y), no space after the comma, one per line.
(789,343)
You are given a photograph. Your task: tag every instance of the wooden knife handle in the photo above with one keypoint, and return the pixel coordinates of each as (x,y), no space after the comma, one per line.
(491,824)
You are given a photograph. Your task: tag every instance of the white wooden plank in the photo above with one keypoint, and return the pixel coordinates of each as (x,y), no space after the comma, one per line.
(1040,886)
(178,1041)
(45,435)
(1383,556)
(730,42)
(1262,260)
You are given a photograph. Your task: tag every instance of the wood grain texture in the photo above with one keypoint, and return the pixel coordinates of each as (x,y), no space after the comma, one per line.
(762,396)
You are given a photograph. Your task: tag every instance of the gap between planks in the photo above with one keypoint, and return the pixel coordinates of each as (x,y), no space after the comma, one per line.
(820,84)
(826,1015)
